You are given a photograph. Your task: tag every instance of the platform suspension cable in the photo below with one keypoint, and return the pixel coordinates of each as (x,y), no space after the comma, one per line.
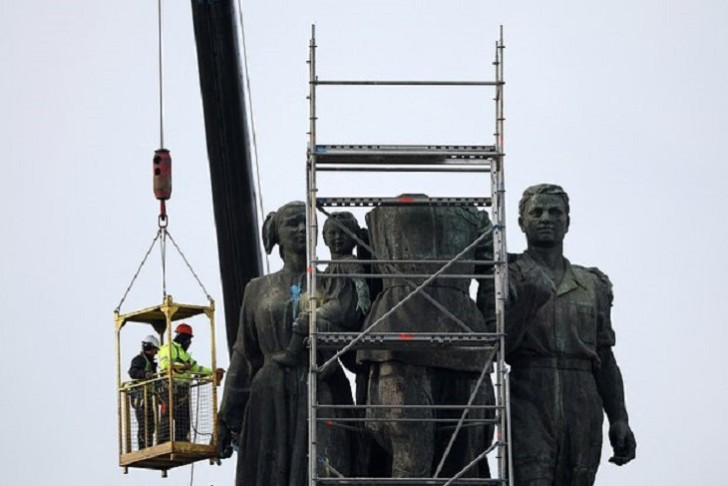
(194,274)
(139,269)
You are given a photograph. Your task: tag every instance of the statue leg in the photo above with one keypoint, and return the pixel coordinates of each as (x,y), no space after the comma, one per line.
(453,387)
(534,427)
(411,444)
(583,420)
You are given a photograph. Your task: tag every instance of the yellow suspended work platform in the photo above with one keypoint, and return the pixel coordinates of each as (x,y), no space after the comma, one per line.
(169,419)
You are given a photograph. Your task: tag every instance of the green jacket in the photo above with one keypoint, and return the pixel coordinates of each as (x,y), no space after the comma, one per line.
(173,353)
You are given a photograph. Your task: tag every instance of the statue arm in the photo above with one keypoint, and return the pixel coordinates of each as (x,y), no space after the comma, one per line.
(528,291)
(610,386)
(237,383)
(346,300)
(485,297)
(608,377)
(611,390)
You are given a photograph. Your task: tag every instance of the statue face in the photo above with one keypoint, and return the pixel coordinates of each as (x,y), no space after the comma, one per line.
(292,230)
(544,221)
(338,241)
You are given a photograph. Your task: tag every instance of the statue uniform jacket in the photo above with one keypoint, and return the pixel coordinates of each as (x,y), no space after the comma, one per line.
(572,324)
(421,233)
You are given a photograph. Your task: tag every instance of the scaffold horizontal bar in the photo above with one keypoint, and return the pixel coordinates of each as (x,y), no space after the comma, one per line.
(401,149)
(407,200)
(412,154)
(331,82)
(408,481)
(382,261)
(408,340)
(404,275)
(400,168)
(437,420)
(409,407)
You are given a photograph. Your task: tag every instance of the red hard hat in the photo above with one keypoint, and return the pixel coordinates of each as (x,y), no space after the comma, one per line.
(184,329)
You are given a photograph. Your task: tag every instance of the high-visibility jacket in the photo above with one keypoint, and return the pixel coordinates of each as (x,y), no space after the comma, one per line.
(174,353)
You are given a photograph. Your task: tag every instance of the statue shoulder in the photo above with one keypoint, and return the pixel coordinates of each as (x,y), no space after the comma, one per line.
(256,281)
(600,279)
(256,284)
(519,264)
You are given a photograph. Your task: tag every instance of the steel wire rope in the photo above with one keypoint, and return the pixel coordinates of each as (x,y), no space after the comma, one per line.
(248,90)
(162,216)
(197,413)
(184,258)
(161,77)
(144,260)
(163,248)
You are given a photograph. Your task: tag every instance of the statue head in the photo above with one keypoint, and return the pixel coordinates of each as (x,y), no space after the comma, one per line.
(543,214)
(286,228)
(336,237)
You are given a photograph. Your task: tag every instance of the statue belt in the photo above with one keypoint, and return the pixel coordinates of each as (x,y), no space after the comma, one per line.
(577,364)
(452,284)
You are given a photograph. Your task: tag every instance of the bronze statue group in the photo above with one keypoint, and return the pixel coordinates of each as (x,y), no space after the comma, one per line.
(559,340)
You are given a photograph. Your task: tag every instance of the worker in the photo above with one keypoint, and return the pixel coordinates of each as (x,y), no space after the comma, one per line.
(144,367)
(184,369)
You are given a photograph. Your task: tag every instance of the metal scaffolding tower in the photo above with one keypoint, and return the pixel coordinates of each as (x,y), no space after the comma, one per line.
(394,159)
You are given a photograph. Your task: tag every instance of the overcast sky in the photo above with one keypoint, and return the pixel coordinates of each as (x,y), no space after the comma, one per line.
(624,103)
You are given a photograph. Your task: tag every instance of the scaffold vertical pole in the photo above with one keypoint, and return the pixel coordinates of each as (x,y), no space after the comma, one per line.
(404,158)
(311,240)
(501,266)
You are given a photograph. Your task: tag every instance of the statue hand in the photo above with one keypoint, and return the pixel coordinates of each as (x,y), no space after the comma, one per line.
(623,443)
(364,305)
(224,440)
(324,325)
(300,325)
(537,286)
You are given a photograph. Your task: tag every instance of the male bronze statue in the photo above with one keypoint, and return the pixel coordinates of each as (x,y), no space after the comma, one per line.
(564,376)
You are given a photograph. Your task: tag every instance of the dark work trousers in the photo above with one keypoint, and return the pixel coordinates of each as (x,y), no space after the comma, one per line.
(417,446)
(556,424)
(144,411)
(181,414)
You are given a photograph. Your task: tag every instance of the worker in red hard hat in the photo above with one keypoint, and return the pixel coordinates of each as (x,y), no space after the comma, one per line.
(184,370)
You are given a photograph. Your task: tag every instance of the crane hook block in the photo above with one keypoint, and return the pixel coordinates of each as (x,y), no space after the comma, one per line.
(162,165)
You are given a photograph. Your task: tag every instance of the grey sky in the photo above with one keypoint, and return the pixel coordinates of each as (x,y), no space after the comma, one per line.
(624,103)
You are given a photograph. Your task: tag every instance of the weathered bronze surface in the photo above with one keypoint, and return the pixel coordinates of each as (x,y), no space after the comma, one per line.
(564,376)
(273,428)
(559,345)
(426,377)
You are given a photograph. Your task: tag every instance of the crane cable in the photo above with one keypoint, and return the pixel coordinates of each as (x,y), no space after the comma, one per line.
(161,73)
(247,91)
(162,220)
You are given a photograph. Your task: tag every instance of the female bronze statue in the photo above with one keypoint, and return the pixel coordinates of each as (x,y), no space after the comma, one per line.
(274,431)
